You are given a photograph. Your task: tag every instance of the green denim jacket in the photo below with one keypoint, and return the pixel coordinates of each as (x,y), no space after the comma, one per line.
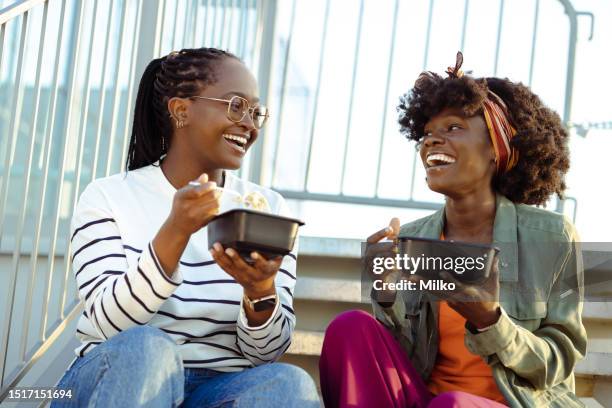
(539,338)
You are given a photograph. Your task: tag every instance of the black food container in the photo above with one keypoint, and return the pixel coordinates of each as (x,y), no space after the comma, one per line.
(248,230)
(467,262)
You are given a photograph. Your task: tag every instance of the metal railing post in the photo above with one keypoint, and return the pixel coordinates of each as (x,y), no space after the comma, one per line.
(281,102)
(572,14)
(571,67)
(13,134)
(27,181)
(349,118)
(315,103)
(571,59)
(266,28)
(383,127)
(49,136)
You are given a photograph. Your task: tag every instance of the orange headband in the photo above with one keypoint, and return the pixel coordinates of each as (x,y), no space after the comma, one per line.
(498,123)
(501,132)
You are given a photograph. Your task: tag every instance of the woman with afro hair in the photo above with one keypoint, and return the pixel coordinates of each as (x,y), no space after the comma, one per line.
(494,150)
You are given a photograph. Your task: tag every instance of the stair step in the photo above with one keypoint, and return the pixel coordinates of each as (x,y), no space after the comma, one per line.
(306,343)
(330,247)
(330,290)
(345,290)
(595,363)
(590,402)
(597,311)
(309,343)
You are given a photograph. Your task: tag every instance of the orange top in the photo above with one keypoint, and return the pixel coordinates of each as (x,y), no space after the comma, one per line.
(456,368)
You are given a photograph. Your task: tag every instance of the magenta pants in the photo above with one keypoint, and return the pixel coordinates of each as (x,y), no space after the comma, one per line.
(362,365)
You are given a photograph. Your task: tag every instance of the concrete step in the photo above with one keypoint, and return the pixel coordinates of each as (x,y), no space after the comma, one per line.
(306,343)
(597,311)
(598,364)
(328,290)
(590,402)
(330,247)
(309,343)
(349,291)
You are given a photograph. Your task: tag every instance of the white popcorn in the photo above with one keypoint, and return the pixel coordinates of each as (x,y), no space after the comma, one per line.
(256,201)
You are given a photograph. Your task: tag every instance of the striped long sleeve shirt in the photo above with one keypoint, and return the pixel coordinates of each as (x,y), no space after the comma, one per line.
(122,285)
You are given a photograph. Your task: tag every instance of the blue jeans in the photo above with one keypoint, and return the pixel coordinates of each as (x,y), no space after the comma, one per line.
(141,367)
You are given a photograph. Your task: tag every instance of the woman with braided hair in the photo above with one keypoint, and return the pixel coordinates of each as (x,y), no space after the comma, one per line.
(167,322)
(492,148)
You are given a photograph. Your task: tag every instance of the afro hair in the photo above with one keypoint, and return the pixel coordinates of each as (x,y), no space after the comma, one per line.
(541,139)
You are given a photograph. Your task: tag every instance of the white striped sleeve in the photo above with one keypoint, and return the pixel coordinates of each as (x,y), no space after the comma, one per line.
(268,342)
(115,295)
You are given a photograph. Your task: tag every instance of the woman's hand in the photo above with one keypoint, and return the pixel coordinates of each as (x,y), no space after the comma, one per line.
(479,305)
(257,279)
(376,249)
(194,206)
(390,232)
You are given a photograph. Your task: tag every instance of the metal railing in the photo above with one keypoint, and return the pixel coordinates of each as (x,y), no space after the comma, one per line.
(439,25)
(69,71)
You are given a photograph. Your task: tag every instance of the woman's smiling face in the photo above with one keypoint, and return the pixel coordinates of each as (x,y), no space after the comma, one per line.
(209,136)
(457,153)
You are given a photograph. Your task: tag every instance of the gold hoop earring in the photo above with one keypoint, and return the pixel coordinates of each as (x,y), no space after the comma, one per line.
(180,124)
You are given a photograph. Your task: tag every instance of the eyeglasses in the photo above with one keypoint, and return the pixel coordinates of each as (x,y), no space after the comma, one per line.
(238,107)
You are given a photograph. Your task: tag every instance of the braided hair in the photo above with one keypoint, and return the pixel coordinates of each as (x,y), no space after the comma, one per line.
(181,74)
